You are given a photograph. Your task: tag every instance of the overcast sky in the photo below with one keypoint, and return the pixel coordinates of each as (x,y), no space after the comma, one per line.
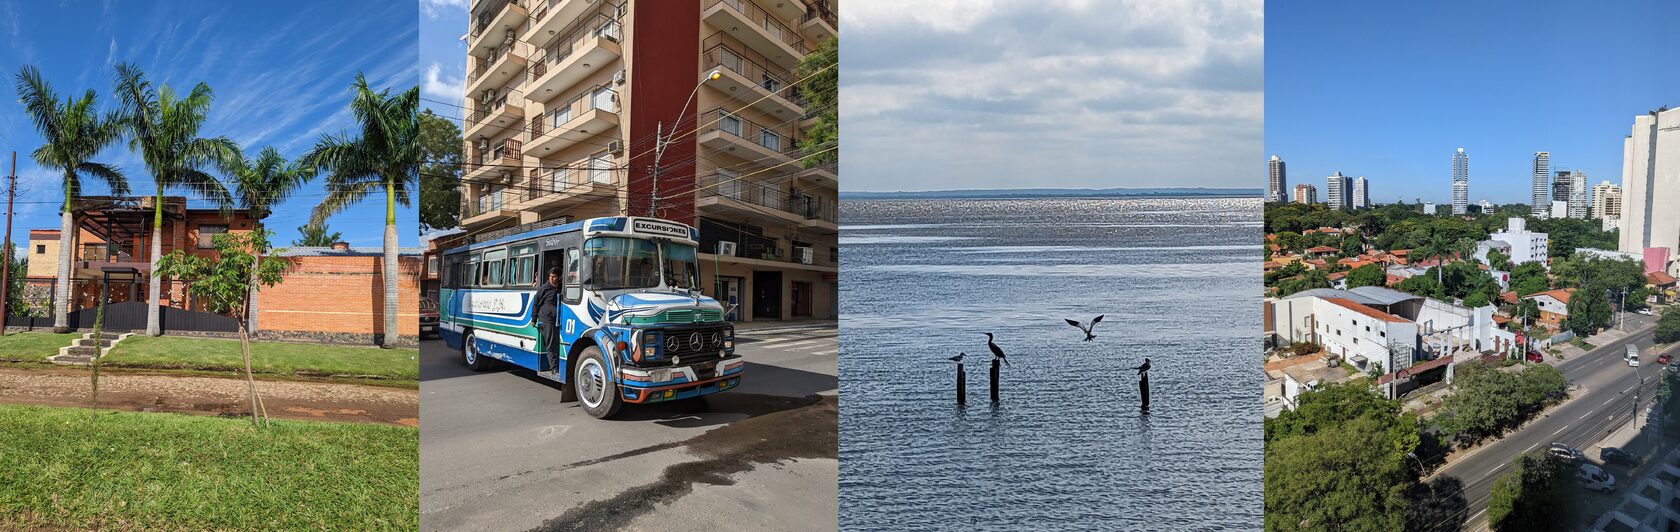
(948,94)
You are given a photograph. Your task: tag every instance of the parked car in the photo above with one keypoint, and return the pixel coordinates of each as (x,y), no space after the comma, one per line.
(428,317)
(1674,366)
(1664,359)
(1614,455)
(1596,478)
(1534,356)
(1646,311)
(1632,356)
(1565,452)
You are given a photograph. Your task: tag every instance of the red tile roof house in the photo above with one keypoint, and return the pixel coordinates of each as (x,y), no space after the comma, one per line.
(1554,307)
(1664,283)
(1319,251)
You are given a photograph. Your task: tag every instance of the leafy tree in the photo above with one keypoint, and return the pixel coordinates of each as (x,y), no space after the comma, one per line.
(73,133)
(1536,494)
(385,157)
(1307,281)
(820,72)
(227,283)
(1486,402)
(1528,278)
(1589,310)
(1367,275)
(316,235)
(1339,461)
(440,172)
(1477,300)
(1498,260)
(16,304)
(163,128)
(1668,326)
(259,185)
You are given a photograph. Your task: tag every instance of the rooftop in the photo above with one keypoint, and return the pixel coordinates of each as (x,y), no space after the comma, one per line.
(1368,311)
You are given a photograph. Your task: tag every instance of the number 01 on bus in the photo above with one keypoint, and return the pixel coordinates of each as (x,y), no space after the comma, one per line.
(629,323)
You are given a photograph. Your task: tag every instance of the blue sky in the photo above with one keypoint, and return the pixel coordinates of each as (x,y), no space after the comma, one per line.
(281,72)
(443,56)
(1389,90)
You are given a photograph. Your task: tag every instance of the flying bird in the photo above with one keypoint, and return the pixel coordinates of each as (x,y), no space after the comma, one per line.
(997,352)
(1144,368)
(958,358)
(1086,328)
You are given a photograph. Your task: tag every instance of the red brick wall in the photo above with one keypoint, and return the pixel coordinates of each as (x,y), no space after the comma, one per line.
(340,295)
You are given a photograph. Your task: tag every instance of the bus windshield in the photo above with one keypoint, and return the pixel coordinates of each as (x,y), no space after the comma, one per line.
(617,263)
(681,269)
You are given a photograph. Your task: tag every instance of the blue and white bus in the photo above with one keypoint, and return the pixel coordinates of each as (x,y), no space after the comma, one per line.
(633,326)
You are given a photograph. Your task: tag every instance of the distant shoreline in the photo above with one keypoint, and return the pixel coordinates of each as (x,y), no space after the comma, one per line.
(1164,193)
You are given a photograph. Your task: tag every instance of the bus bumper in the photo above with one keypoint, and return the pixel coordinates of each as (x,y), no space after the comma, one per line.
(639,385)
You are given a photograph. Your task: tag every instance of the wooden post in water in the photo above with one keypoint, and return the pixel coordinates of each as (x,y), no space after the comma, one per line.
(962,385)
(994,381)
(1143,390)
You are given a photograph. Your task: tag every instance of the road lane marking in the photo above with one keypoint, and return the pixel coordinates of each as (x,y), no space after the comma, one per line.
(1531,446)
(1560,429)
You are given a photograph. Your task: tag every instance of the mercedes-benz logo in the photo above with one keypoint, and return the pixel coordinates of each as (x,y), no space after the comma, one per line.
(717,339)
(694,341)
(673,343)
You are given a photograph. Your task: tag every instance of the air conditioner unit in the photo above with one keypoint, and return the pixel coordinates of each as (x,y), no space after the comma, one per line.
(805,254)
(618,77)
(483,143)
(726,248)
(616,147)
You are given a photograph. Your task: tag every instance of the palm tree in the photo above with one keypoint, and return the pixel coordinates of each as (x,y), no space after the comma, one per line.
(259,185)
(73,133)
(164,129)
(1435,247)
(385,157)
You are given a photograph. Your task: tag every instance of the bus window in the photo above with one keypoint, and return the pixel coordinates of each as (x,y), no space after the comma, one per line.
(681,270)
(618,263)
(569,279)
(470,277)
(523,267)
(495,264)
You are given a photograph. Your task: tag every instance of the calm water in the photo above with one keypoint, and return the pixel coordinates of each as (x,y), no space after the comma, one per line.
(1179,282)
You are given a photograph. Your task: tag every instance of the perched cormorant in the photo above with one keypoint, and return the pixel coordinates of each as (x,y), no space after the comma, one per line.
(996,351)
(1144,368)
(958,358)
(1086,328)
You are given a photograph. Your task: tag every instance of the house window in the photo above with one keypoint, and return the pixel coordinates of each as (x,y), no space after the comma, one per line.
(770,140)
(1382,334)
(207,235)
(559,116)
(559,178)
(432,265)
(730,124)
(40,249)
(600,168)
(1355,341)
(603,99)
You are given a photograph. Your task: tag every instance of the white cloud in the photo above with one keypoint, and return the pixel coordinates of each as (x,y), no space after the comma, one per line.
(431,7)
(437,85)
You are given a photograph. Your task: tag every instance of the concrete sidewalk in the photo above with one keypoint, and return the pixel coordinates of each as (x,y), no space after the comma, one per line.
(781,325)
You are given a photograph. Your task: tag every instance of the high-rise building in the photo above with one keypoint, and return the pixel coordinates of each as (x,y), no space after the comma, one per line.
(1305,193)
(1339,192)
(1578,195)
(1540,201)
(1460,182)
(1277,180)
(1651,184)
(1560,186)
(1607,204)
(1487,206)
(1361,193)
(569,105)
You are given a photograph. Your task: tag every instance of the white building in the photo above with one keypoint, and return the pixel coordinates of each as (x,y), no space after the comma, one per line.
(1339,192)
(1460,183)
(1429,208)
(1607,204)
(1651,183)
(1559,209)
(1363,336)
(1578,195)
(1361,193)
(1487,206)
(1277,181)
(1525,245)
(1540,201)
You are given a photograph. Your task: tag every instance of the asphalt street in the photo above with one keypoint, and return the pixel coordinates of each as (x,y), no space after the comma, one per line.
(1605,399)
(500,451)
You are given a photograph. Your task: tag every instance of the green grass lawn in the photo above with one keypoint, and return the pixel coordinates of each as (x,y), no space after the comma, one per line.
(268,358)
(174,471)
(33,346)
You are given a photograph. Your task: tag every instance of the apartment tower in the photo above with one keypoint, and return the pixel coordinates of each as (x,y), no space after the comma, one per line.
(1460,183)
(1651,183)
(1339,192)
(1361,193)
(1305,193)
(1578,195)
(1277,180)
(1607,205)
(686,110)
(1540,203)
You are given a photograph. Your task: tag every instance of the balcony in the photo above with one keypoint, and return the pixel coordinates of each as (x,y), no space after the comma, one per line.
(759,146)
(825,175)
(553,17)
(495,164)
(771,90)
(487,210)
(569,185)
(503,64)
(819,23)
(588,114)
(582,50)
(746,21)
(497,14)
(728,194)
(496,114)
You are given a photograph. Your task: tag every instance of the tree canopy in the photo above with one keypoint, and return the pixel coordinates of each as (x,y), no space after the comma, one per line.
(1339,460)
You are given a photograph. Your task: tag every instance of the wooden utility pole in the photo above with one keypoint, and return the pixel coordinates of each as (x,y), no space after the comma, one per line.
(6,270)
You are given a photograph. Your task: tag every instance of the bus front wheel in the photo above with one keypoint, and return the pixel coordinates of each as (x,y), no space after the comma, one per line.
(594,386)
(469,353)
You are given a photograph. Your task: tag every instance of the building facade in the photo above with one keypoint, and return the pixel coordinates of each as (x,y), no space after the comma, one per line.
(1277,180)
(1578,195)
(1339,192)
(1361,193)
(1541,202)
(1525,245)
(686,110)
(1305,193)
(1607,204)
(1651,184)
(1460,183)
(1367,338)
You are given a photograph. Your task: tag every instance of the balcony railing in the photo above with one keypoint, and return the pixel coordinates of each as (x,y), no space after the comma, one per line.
(773,80)
(763,19)
(777,139)
(771,197)
(561,178)
(493,8)
(602,23)
(820,9)
(508,96)
(483,64)
(594,97)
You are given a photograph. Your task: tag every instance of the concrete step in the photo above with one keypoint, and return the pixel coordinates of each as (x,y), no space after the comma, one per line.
(83,350)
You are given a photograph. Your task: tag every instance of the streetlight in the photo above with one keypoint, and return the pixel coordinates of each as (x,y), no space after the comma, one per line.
(661,141)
